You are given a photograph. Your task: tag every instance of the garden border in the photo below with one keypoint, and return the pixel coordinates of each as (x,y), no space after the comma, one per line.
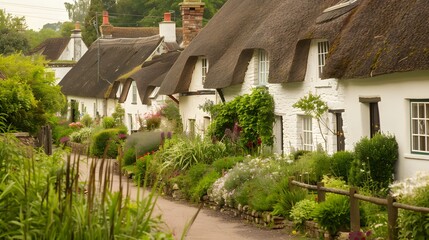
(353,194)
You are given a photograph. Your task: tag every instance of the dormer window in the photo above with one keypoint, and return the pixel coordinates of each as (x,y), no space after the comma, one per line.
(263,67)
(204,69)
(322,52)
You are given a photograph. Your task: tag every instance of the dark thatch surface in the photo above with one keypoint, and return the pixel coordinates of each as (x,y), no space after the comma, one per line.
(367,38)
(136,32)
(150,76)
(51,48)
(117,57)
(381,37)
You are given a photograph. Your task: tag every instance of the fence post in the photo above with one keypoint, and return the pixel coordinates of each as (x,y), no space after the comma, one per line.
(320,194)
(392,216)
(291,186)
(354,210)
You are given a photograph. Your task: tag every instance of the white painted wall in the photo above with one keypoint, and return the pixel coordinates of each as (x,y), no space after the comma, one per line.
(92,106)
(69,51)
(285,95)
(189,105)
(60,72)
(395,91)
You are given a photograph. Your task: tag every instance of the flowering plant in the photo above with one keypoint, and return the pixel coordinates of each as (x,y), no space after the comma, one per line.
(408,186)
(153,120)
(76,125)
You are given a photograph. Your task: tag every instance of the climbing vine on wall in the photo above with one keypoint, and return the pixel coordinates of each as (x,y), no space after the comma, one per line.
(252,114)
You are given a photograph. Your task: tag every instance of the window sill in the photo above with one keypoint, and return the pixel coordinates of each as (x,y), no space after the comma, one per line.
(416,156)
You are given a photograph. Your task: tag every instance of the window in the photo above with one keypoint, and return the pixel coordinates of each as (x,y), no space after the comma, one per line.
(322,50)
(263,67)
(307,133)
(134,92)
(420,126)
(191,127)
(204,69)
(130,122)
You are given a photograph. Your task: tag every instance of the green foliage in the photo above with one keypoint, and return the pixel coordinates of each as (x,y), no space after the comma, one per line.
(143,142)
(312,105)
(181,153)
(200,189)
(142,165)
(333,215)
(253,112)
(302,211)
(119,115)
(129,157)
(39,97)
(287,198)
(171,112)
(153,120)
(226,163)
(89,33)
(83,135)
(41,200)
(106,140)
(341,163)
(77,10)
(311,167)
(87,120)
(108,122)
(378,157)
(59,130)
(12,42)
(35,38)
(189,179)
(414,225)
(7,21)
(258,193)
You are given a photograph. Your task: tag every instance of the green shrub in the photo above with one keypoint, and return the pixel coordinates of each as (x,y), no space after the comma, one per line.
(61,130)
(129,157)
(181,153)
(141,167)
(379,154)
(87,120)
(108,122)
(262,196)
(287,198)
(311,167)
(189,179)
(297,154)
(333,215)
(199,190)
(321,162)
(341,163)
(83,135)
(226,163)
(143,142)
(302,211)
(106,139)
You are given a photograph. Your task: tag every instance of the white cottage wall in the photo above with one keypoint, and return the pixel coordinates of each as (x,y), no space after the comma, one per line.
(395,91)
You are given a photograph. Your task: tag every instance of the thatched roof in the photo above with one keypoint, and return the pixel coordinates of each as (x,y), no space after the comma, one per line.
(136,32)
(381,37)
(51,48)
(149,76)
(117,57)
(367,38)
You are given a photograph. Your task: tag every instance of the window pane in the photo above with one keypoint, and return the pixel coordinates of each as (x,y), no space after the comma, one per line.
(427,110)
(415,143)
(415,124)
(422,143)
(413,110)
(421,110)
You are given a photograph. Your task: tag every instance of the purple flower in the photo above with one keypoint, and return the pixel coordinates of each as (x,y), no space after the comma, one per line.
(162,135)
(64,139)
(169,135)
(122,136)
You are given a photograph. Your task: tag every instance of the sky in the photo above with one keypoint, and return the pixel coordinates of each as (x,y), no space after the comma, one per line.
(37,13)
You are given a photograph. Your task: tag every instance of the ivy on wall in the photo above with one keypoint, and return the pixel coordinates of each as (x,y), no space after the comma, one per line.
(252,115)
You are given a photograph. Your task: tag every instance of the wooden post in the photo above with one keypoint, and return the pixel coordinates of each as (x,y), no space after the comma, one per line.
(291,186)
(354,211)
(320,194)
(392,216)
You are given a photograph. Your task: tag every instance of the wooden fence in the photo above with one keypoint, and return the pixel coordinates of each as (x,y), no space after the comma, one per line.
(355,197)
(44,139)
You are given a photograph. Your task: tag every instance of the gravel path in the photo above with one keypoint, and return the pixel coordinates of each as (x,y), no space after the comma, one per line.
(209,224)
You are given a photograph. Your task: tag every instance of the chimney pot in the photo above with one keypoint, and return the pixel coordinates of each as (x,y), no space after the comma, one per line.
(77,25)
(167,17)
(105,18)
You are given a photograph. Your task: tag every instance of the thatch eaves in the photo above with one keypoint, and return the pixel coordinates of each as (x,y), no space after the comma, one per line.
(51,48)
(93,78)
(240,27)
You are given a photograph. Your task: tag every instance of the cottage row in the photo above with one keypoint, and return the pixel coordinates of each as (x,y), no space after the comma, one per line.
(368,60)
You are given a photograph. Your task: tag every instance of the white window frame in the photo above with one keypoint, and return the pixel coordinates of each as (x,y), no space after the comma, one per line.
(204,69)
(307,133)
(263,67)
(131,121)
(322,53)
(134,92)
(419,126)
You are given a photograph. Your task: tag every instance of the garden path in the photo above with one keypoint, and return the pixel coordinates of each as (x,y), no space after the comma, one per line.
(209,224)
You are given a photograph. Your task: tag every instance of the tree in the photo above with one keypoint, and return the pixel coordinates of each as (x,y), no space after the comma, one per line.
(77,10)
(28,96)
(92,19)
(7,21)
(35,38)
(66,29)
(12,41)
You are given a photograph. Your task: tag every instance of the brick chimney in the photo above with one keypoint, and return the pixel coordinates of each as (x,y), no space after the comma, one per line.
(167,28)
(106,28)
(192,19)
(76,37)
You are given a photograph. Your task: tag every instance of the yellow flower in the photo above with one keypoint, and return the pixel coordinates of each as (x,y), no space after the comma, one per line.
(294,232)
